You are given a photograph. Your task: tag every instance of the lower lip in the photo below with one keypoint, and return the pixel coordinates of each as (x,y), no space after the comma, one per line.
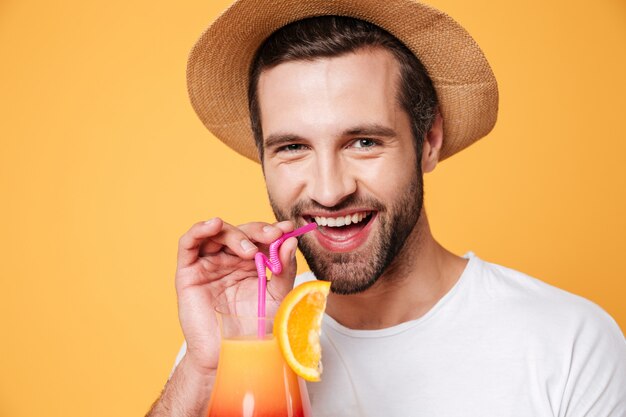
(347,245)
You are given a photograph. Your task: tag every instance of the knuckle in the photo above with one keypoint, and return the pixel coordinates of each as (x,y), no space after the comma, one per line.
(235,232)
(251,225)
(182,240)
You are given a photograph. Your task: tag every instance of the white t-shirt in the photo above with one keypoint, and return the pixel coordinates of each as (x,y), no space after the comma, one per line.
(499,343)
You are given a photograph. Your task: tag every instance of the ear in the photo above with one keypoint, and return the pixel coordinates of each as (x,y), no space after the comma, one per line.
(433,141)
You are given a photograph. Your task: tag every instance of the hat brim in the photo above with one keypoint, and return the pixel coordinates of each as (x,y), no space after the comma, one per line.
(219,64)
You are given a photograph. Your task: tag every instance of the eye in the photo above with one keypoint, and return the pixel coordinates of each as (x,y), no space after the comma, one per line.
(292,147)
(364,143)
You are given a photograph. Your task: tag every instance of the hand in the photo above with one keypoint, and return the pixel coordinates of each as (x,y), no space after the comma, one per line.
(216,266)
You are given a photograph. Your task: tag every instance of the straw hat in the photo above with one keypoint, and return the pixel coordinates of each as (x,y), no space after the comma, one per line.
(219,64)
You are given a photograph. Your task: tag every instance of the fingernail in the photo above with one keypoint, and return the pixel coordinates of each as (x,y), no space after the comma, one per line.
(247,246)
(268,228)
(210,220)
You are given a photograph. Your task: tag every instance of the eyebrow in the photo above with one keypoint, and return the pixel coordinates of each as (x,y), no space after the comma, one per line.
(371,130)
(281,139)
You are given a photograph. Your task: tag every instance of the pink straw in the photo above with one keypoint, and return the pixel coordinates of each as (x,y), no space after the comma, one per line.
(273,264)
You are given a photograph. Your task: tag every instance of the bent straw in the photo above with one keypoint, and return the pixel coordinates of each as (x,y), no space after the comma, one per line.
(273,264)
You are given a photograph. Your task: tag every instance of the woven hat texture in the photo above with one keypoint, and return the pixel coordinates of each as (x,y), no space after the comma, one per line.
(219,64)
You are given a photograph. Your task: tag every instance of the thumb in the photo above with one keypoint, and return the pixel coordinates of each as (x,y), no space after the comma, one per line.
(283,283)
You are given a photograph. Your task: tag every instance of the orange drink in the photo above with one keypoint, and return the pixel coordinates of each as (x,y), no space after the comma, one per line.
(253,379)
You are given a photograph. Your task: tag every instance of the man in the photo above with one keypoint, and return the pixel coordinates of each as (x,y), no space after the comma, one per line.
(345,118)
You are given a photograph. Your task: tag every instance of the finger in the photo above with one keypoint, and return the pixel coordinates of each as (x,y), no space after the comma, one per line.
(190,242)
(283,282)
(285,226)
(263,234)
(260,232)
(231,240)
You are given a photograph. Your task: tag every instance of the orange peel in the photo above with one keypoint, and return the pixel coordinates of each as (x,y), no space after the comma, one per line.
(298,325)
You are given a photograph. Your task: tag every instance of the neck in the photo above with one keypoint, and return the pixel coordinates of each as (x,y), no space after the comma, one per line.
(419,276)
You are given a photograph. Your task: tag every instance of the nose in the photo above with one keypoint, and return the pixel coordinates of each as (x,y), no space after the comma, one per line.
(333,181)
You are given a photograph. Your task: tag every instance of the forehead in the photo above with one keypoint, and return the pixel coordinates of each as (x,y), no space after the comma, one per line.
(327,95)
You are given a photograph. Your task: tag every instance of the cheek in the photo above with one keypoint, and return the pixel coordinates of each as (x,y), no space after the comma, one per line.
(382,183)
(389,177)
(284,184)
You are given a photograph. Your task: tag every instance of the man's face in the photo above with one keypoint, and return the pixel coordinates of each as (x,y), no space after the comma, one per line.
(338,149)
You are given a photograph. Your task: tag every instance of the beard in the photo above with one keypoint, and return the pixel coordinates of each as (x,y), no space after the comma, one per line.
(355,272)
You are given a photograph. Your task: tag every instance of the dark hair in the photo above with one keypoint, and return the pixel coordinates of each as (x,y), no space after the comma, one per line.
(328,36)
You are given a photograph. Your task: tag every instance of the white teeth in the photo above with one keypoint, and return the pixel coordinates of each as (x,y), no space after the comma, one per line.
(321,221)
(341,221)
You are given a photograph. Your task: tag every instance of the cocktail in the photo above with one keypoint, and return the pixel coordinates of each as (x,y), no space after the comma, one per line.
(253,378)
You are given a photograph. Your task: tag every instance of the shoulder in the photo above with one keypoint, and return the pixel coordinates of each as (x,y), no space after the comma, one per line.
(574,341)
(518,289)
(541,305)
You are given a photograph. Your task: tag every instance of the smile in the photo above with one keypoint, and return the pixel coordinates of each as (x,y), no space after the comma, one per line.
(342,232)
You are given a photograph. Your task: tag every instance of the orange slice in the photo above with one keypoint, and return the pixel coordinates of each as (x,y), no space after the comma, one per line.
(297,328)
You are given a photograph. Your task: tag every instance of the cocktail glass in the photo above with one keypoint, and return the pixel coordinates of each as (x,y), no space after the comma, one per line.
(252,378)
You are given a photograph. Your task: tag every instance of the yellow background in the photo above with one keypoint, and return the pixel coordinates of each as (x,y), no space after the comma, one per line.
(103,165)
